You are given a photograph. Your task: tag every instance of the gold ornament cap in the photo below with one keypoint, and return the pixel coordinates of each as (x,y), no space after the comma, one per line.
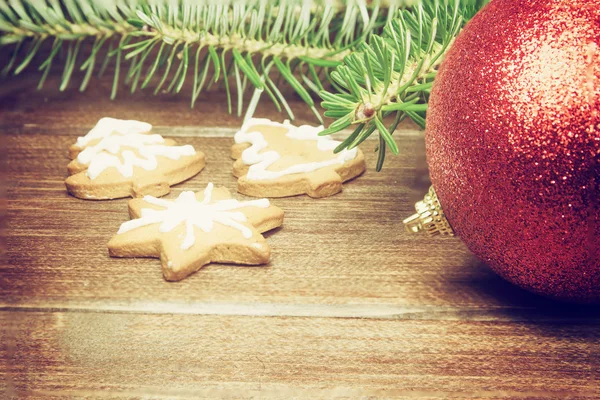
(429,217)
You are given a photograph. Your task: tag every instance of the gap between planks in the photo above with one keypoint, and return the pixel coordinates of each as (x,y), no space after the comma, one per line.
(587,315)
(408,130)
(275,391)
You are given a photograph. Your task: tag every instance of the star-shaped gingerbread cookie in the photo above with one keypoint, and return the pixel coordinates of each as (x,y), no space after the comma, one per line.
(196,229)
(121,158)
(280,160)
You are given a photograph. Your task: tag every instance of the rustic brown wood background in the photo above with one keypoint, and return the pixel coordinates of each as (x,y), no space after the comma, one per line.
(349,307)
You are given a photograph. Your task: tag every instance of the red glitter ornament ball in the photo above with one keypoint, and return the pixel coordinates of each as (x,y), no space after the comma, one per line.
(513,143)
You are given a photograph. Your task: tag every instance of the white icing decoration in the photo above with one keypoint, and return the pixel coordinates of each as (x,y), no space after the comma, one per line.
(260,162)
(187,209)
(116,133)
(106,126)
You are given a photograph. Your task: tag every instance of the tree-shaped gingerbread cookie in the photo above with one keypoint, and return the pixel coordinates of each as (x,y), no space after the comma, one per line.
(120,158)
(197,229)
(279,160)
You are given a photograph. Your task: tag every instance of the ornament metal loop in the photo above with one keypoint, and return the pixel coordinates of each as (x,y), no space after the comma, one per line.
(429,217)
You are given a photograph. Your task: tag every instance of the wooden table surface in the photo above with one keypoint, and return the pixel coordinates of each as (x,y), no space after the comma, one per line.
(350,305)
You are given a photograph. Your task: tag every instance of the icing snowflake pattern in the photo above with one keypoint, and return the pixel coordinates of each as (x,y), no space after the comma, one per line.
(114,135)
(186,209)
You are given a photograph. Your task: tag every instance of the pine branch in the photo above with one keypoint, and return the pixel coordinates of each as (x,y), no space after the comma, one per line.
(379,58)
(173,39)
(394,72)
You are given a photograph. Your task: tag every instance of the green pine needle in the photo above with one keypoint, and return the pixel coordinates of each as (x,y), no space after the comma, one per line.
(368,60)
(239,39)
(394,72)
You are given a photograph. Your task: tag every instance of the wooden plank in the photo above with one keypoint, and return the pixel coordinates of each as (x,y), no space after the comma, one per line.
(348,249)
(137,355)
(349,307)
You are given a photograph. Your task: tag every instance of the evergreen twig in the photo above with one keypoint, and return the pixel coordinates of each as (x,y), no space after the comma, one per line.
(378,58)
(394,72)
(261,36)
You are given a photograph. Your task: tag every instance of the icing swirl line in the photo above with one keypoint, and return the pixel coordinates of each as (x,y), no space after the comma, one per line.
(188,210)
(260,162)
(116,134)
(107,126)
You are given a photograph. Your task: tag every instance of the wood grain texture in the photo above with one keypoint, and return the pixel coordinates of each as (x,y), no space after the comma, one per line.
(200,355)
(350,306)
